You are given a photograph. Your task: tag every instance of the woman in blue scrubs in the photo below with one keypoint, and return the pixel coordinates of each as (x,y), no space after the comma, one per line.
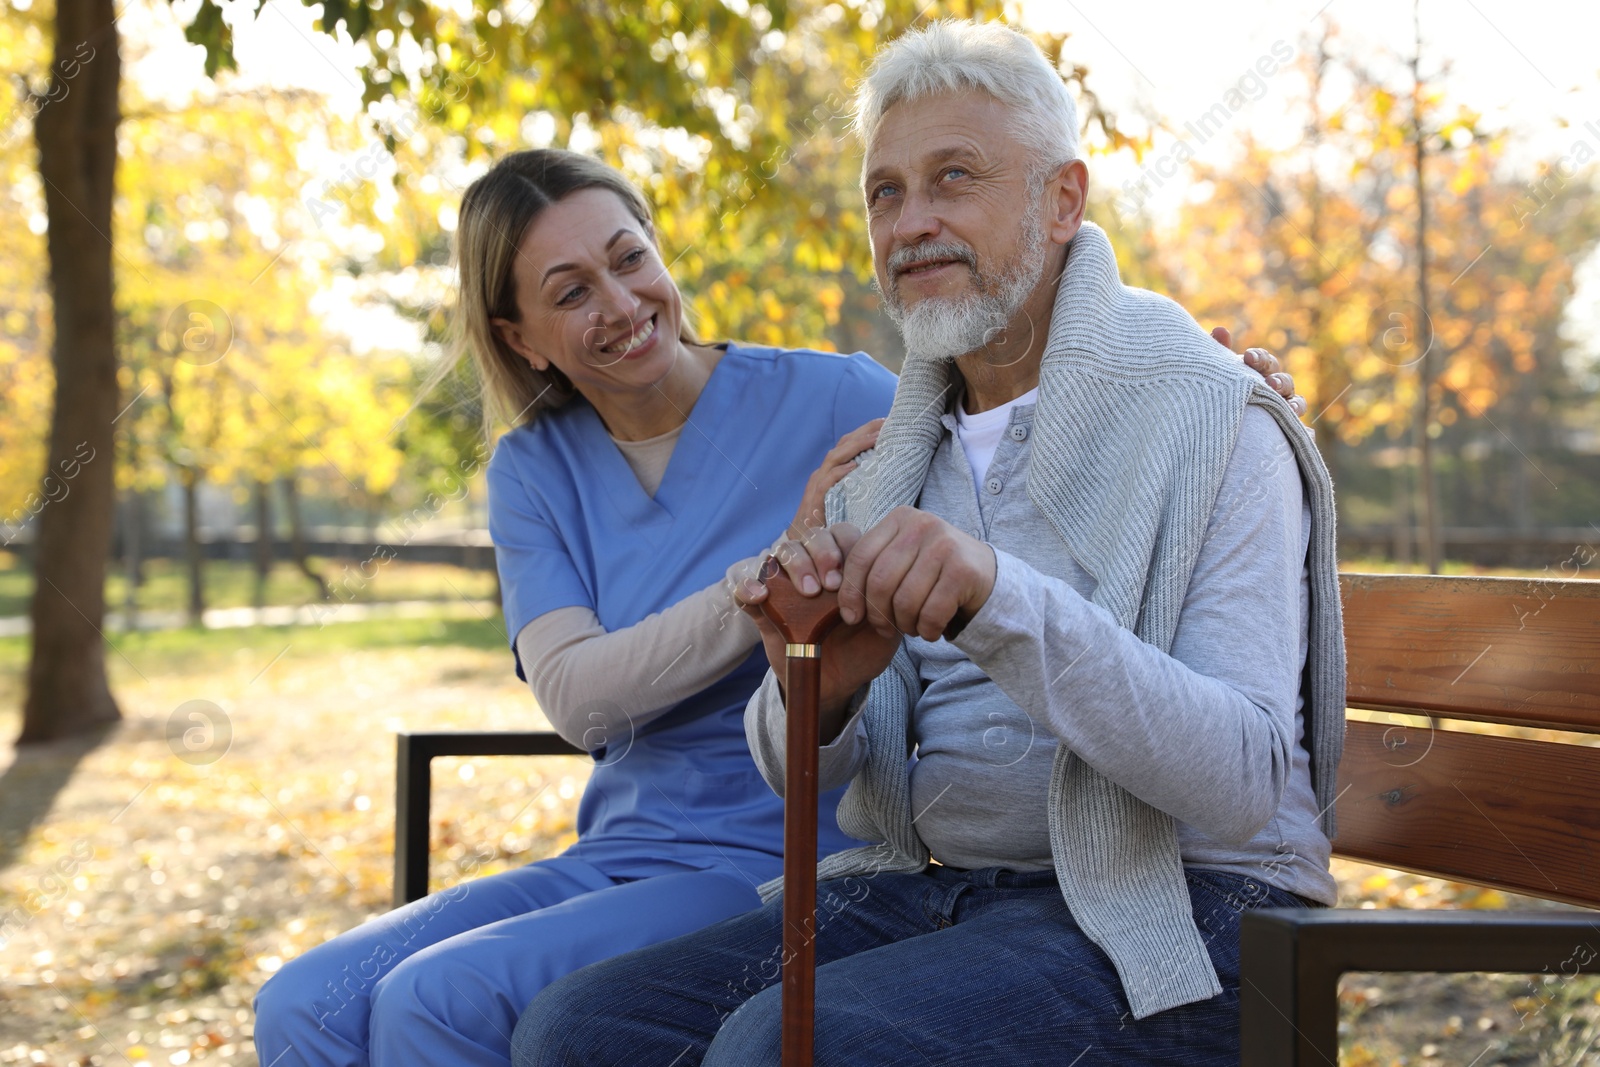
(578,334)
(645,468)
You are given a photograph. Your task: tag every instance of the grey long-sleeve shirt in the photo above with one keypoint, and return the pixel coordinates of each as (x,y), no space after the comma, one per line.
(1211,733)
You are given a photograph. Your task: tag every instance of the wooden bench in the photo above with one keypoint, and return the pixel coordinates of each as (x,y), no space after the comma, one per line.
(1516,814)
(1508,812)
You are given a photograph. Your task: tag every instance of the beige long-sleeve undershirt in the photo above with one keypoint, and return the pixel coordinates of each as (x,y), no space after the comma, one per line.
(594,684)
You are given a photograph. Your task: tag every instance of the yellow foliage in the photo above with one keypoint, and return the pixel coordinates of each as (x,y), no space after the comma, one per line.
(211,220)
(1325,272)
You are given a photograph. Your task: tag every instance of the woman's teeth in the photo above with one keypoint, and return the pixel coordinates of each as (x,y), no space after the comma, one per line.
(622,348)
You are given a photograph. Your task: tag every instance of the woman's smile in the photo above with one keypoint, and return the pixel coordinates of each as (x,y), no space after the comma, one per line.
(635,344)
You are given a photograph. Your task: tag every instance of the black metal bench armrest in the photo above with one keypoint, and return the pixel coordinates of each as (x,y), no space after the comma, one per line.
(1291,959)
(413,779)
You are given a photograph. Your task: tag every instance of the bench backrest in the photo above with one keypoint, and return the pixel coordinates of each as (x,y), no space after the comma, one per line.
(1508,812)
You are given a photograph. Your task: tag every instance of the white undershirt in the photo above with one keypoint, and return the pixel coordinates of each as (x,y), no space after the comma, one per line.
(980,434)
(649,457)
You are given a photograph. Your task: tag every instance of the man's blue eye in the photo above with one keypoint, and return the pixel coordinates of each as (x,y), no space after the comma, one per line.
(954,170)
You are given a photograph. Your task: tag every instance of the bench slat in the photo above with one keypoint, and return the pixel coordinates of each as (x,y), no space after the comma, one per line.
(1499,811)
(1512,650)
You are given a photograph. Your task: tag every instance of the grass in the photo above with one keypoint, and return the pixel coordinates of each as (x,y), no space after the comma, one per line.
(144,653)
(187,885)
(231,584)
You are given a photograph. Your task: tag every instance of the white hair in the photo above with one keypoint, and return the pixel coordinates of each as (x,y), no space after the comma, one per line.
(953,55)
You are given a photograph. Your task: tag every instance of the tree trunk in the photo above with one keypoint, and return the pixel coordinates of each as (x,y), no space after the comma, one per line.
(194,558)
(76,131)
(1429,536)
(297,537)
(1402,510)
(263,542)
(132,557)
(1330,368)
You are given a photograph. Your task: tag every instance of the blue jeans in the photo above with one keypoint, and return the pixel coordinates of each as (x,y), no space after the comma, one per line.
(941,967)
(442,980)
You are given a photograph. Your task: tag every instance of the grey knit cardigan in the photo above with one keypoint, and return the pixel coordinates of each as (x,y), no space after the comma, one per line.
(1137,415)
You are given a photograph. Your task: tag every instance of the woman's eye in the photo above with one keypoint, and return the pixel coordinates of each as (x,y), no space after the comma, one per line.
(570,296)
(633,258)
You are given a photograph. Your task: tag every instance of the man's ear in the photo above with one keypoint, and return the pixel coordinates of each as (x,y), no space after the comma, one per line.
(511,333)
(1067,194)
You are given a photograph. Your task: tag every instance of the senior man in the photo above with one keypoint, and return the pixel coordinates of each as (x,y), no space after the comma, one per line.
(1077,505)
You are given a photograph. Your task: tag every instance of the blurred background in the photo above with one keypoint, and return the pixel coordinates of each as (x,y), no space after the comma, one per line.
(237,552)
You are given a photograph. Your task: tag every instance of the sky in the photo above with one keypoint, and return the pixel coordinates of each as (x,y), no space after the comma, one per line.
(1529,66)
(1526,65)
(1518,61)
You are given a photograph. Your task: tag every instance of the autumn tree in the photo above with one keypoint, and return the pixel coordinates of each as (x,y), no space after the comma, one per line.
(741,139)
(242,383)
(1317,249)
(730,114)
(74,117)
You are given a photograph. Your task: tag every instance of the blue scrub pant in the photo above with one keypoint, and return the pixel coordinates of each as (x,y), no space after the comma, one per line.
(942,967)
(443,980)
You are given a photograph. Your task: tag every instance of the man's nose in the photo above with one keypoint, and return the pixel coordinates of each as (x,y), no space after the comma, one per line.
(917,220)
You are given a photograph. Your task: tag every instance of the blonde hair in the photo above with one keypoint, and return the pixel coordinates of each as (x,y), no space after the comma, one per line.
(496,212)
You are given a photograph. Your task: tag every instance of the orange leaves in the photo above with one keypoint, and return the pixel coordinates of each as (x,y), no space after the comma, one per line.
(770,306)
(831,297)
(1313,252)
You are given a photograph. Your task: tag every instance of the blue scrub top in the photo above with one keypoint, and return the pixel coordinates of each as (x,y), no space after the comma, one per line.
(572,526)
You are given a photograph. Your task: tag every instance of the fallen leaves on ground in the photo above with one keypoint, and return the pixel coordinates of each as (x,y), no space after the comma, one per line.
(143,911)
(156,896)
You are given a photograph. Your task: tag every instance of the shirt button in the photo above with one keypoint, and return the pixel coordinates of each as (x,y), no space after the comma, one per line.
(993,485)
(1019,432)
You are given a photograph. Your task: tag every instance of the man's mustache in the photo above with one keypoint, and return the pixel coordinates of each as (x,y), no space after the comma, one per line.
(930,250)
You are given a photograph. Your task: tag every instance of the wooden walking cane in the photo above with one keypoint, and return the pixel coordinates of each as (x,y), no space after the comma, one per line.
(803,621)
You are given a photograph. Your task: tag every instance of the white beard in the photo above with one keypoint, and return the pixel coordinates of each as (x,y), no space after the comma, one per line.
(941,329)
